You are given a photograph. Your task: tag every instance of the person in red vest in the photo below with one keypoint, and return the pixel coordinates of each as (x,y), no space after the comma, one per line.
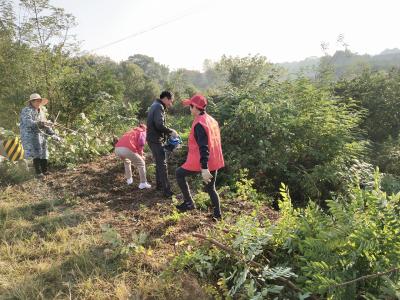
(130,149)
(204,155)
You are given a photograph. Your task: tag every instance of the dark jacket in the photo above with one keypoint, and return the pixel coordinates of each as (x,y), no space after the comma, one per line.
(156,129)
(201,137)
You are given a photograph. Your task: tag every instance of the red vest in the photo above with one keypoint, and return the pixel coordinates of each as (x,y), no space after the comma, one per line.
(216,159)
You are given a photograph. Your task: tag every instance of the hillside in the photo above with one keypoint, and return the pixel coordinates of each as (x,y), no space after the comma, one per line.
(84,234)
(345,62)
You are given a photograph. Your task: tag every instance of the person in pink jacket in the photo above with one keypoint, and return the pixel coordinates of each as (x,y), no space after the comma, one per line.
(130,149)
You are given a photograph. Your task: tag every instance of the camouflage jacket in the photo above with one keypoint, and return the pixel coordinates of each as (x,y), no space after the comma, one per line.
(33,135)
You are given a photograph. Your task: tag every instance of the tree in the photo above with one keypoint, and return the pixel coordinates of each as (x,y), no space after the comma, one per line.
(46,28)
(150,67)
(378,93)
(181,88)
(82,81)
(139,88)
(292,132)
(244,72)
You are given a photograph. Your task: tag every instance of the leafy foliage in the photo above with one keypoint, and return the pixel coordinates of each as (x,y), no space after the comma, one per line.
(293,132)
(14,172)
(84,144)
(310,133)
(320,251)
(357,238)
(378,93)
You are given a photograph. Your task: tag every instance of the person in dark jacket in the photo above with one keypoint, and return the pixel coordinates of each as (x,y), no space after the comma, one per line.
(157,132)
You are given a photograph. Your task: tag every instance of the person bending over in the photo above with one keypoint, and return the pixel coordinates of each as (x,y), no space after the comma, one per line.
(130,149)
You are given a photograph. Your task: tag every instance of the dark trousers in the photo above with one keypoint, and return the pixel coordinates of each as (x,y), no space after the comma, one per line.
(40,165)
(181,174)
(160,159)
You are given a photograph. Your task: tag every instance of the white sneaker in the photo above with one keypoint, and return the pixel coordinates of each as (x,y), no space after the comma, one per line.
(129,181)
(144,185)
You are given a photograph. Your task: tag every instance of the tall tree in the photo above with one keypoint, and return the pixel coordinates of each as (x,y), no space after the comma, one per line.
(138,87)
(242,72)
(46,29)
(151,68)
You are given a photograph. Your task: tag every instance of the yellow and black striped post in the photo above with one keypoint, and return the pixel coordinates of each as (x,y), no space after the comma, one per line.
(13,149)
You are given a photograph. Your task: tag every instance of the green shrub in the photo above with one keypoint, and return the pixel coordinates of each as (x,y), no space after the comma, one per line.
(321,253)
(390,183)
(202,200)
(291,132)
(82,145)
(387,156)
(377,92)
(14,172)
(357,237)
(93,134)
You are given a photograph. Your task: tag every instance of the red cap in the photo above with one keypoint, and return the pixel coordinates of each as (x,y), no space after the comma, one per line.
(197,100)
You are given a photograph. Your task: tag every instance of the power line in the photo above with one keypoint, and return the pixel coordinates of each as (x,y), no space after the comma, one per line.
(143,31)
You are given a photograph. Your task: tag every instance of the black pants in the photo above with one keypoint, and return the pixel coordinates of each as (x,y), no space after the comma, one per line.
(181,174)
(40,165)
(160,158)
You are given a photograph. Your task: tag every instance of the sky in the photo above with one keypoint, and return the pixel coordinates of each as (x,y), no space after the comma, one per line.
(183,33)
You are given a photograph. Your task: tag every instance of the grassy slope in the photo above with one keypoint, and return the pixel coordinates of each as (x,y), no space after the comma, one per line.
(54,241)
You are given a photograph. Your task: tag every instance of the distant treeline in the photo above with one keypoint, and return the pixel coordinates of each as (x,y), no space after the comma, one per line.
(345,63)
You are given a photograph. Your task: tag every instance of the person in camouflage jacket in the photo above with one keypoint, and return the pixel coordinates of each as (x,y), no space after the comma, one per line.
(35,130)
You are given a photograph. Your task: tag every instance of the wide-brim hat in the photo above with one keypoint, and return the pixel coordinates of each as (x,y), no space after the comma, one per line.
(197,100)
(36,96)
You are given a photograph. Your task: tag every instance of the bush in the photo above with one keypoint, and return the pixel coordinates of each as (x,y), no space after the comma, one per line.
(84,144)
(378,93)
(14,172)
(387,156)
(291,132)
(390,184)
(307,252)
(94,133)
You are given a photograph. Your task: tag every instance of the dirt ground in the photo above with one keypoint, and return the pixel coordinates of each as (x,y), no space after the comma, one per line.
(92,196)
(101,185)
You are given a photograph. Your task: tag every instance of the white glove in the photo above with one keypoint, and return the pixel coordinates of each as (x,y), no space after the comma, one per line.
(56,138)
(174,134)
(205,173)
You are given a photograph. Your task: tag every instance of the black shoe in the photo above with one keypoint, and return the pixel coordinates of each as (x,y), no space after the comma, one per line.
(185,207)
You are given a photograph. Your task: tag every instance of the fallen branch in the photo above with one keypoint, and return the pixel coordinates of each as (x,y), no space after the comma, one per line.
(237,232)
(287,282)
(364,278)
(225,248)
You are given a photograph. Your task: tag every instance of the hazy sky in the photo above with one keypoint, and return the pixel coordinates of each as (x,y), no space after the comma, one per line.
(194,30)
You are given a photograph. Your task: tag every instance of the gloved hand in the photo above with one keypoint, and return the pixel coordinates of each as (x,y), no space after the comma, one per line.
(57,138)
(205,173)
(174,134)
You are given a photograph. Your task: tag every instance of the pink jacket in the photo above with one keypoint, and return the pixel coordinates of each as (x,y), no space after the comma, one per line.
(134,140)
